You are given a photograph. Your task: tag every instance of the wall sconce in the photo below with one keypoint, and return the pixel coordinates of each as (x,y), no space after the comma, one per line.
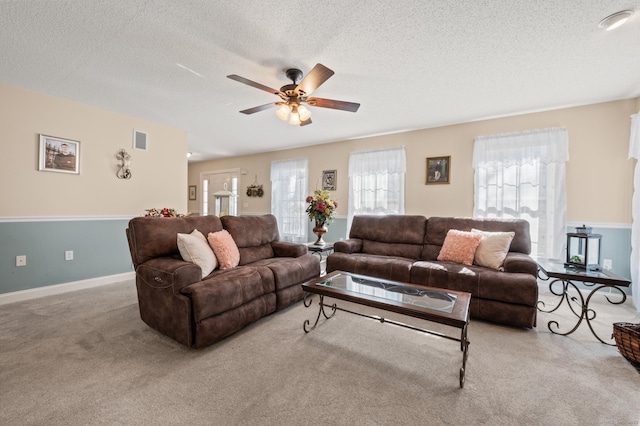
(124,172)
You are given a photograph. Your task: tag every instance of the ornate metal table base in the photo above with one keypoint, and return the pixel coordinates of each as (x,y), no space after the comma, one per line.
(578,304)
(464,341)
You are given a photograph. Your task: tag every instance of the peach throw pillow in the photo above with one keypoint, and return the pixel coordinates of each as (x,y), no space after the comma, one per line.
(224,248)
(194,248)
(459,246)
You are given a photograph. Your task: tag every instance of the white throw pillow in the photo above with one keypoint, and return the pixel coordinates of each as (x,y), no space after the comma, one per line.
(493,248)
(195,248)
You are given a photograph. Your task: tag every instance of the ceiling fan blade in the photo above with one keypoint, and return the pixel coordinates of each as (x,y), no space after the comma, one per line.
(258,108)
(318,75)
(305,122)
(253,84)
(330,103)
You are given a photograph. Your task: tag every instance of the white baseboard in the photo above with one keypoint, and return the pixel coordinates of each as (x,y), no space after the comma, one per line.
(34,293)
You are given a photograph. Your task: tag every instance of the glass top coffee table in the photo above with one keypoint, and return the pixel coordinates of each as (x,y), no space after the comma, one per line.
(441,306)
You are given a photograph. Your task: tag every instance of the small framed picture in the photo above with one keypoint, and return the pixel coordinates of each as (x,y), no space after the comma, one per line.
(329,180)
(59,155)
(192,192)
(438,170)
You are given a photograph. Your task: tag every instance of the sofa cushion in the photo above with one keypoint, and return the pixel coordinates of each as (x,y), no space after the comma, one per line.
(194,248)
(224,290)
(493,249)
(406,229)
(151,237)
(253,235)
(288,274)
(289,271)
(390,235)
(459,246)
(386,267)
(481,282)
(224,248)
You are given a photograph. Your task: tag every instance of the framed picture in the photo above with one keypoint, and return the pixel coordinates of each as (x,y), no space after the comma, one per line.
(192,192)
(59,155)
(329,180)
(438,169)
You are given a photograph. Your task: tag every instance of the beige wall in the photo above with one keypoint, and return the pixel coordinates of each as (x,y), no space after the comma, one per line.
(159,174)
(599,174)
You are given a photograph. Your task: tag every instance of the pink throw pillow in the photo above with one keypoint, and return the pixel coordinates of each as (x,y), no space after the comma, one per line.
(225,249)
(459,246)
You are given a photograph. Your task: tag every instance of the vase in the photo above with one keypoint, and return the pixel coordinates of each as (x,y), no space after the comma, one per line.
(320,230)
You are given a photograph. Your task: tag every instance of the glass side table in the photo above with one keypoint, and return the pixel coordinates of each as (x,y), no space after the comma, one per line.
(322,252)
(563,278)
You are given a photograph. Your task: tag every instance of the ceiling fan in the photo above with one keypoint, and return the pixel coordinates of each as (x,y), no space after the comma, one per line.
(296,95)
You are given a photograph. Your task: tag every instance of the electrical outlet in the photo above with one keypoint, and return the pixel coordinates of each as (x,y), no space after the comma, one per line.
(68,255)
(608,264)
(21,260)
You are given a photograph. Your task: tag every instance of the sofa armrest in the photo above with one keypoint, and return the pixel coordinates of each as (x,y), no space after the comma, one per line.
(520,262)
(286,249)
(163,272)
(352,245)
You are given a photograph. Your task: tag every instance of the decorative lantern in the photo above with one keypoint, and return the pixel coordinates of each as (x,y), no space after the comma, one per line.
(223,201)
(583,249)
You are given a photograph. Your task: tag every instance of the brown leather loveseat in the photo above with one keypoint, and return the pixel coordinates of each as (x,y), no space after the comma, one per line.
(177,301)
(405,248)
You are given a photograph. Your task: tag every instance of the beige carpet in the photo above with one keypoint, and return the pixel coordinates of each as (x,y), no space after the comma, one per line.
(86,358)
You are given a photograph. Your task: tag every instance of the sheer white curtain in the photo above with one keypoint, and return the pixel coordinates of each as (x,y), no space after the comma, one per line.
(288,194)
(522,175)
(634,152)
(376,182)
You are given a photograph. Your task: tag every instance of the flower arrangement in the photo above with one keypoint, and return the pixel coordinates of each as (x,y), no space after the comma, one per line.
(321,208)
(165,212)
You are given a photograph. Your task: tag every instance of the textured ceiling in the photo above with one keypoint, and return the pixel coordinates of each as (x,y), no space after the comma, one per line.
(411,64)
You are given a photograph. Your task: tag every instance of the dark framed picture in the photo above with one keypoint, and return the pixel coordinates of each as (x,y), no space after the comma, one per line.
(59,155)
(438,170)
(192,192)
(329,180)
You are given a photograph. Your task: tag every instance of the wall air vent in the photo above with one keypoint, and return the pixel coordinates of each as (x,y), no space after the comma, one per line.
(139,140)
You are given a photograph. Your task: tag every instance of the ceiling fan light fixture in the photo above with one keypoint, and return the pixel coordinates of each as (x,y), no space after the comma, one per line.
(304,113)
(293,96)
(283,112)
(616,20)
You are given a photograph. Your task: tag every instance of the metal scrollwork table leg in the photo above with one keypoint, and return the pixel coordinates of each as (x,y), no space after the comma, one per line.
(307,302)
(578,304)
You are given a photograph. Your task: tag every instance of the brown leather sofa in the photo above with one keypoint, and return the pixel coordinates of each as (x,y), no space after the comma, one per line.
(174,298)
(405,248)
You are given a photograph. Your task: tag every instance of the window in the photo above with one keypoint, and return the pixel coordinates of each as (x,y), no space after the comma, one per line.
(376,182)
(288,194)
(522,176)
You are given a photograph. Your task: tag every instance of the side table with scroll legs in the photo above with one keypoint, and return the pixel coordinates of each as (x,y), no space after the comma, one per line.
(562,279)
(322,251)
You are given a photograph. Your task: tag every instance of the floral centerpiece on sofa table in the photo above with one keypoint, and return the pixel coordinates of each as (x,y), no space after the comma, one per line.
(165,212)
(321,209)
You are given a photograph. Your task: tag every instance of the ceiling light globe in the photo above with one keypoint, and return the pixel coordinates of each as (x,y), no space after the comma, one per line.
(295,118)
(283,112)
(304,112)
